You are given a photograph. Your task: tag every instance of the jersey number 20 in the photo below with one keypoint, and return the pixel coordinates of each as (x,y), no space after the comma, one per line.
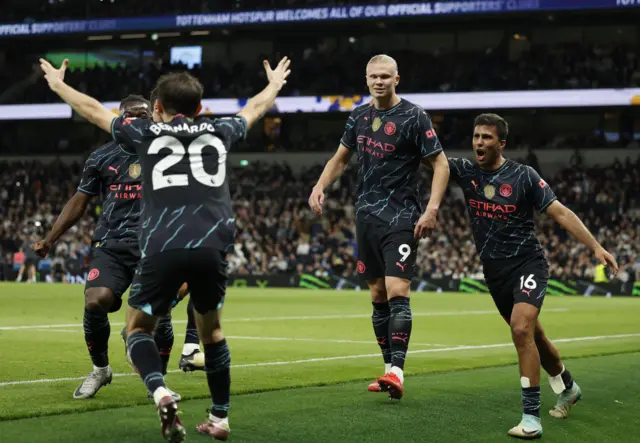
(159,180)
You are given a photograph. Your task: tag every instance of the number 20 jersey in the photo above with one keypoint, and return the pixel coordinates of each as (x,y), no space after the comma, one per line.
(186,202)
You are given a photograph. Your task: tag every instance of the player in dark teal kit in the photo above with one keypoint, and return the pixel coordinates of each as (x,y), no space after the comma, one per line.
(113,172)
(187,224)
(502,198)
(391,137)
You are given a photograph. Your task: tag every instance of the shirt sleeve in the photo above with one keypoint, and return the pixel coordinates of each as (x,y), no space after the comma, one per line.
(90,181)
(129,131)
(539,192)
(349,136)
(454,168)
(427,139)
(233,128)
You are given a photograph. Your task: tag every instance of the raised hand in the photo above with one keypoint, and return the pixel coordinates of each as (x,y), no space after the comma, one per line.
(278,76)
(51,74)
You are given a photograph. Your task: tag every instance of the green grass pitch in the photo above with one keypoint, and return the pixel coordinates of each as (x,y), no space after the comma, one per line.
(302,360)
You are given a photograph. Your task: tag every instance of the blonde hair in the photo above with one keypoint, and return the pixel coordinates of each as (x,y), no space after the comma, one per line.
(384,58)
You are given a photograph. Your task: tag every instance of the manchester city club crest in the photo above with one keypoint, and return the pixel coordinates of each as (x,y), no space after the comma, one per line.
(134,170)
(376,124)
(489,191)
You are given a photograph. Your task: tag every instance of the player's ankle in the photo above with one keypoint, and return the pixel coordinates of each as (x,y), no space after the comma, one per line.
(387,368)
(399,372)
(101,368)
(160,393)
(218,420)
(189,348)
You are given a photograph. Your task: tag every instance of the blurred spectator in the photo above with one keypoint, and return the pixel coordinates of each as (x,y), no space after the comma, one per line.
(278,234)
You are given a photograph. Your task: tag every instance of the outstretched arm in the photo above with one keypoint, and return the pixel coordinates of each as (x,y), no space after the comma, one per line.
(87,107)
(71,213)
(258,106)
(570,221)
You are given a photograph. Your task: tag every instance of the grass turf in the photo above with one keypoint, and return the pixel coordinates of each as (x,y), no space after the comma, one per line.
(283,339)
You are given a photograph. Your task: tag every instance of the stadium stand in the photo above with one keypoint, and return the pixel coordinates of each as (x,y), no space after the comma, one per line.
(278,234)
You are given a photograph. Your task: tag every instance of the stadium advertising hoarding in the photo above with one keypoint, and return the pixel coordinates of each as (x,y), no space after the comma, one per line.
(568,98)
(320,14)
(577,287)
(555,287)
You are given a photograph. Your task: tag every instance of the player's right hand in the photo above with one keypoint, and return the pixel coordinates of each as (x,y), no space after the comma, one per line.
(607,259)
(279,75)
(53,75)
(316,200)
(426,224)
(41,247)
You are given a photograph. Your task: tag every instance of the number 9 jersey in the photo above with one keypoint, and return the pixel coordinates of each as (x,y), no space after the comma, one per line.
(186,202)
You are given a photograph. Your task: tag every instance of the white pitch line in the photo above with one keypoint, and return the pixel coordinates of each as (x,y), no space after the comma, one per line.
(319,340)
(294,317)
(341,357)
(244,337)
(337,317)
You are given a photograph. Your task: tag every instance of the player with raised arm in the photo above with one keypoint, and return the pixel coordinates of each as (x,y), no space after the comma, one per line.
(192,358)
(187,224)
(502,197)
(391,138)
(113,171)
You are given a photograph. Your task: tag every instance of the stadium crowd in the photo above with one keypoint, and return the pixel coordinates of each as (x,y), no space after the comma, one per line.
(566,66)
(277,232)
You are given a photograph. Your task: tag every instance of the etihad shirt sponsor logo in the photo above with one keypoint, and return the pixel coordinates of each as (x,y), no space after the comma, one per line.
(374,147)
(492,210)
(127,192)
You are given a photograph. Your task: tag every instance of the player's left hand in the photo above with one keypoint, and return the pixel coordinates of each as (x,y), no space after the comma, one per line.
(52,75)
(607,259)
(279,75)
(426,223)
(41,247)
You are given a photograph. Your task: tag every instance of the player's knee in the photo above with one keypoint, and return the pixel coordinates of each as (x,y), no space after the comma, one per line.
(522,331)
(378,291)
(378,295)
(139,321)
(100,300)
(209,327)
(211,336)
(397,287)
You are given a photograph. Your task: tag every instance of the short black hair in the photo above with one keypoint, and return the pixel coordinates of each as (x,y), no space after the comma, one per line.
(179,93)
(133,100)
(501,125)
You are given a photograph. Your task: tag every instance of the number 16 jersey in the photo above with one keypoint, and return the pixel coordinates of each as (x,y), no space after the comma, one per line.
(186,202)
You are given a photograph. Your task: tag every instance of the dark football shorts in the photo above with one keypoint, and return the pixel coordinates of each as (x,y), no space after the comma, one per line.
(517,280)
(385,253)
(160,275)
(113,264)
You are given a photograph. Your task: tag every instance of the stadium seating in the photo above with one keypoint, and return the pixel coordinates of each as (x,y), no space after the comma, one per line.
(278,234)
